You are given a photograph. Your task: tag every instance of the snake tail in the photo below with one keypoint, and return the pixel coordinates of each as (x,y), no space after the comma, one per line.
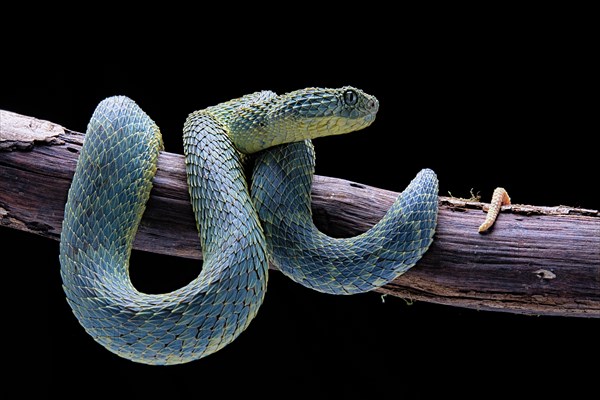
(334,265)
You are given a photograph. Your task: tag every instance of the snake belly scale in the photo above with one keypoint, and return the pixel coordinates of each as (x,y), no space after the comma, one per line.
(241,227)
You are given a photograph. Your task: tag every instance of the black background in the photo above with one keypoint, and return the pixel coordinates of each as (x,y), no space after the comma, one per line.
(482,106)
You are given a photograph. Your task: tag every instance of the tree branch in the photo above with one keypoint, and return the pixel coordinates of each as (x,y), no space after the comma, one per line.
(537,260)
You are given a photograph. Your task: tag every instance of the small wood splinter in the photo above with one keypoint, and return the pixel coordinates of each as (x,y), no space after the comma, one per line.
(499,198)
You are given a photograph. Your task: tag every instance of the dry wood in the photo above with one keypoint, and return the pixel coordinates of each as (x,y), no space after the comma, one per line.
(537,260)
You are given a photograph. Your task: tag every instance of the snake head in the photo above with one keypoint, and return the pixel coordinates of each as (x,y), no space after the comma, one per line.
(320,112)
(309,113)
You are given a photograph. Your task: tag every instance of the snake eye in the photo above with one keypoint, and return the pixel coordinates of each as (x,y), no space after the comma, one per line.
(350,97)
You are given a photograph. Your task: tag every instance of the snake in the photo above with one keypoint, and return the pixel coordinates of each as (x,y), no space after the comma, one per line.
(249,165)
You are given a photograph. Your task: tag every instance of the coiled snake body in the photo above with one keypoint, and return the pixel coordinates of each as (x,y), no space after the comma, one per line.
(241,228)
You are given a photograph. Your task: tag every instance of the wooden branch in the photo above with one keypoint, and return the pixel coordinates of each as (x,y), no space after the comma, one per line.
(537,260)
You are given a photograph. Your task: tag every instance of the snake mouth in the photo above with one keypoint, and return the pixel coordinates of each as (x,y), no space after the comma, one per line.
(369,119)
(319,127)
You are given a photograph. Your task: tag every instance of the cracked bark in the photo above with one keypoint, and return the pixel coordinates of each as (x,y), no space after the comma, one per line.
(536,260)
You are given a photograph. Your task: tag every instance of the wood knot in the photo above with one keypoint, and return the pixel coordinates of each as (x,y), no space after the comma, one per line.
(545,274)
